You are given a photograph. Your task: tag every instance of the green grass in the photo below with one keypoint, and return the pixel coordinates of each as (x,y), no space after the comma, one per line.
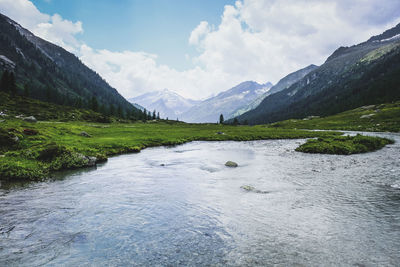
(60,145)
(33,151)
(344,145)
(374,118)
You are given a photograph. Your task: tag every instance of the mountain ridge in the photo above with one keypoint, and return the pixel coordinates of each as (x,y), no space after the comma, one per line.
(48,72)
(335,85)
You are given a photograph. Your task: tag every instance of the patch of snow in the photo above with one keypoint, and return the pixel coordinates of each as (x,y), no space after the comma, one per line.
(7,60)
(397,36)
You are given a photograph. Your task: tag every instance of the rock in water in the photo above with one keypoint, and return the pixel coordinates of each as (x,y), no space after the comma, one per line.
(231,164)
(250,188)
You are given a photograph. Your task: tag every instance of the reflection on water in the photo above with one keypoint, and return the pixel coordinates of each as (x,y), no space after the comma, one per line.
(182,206)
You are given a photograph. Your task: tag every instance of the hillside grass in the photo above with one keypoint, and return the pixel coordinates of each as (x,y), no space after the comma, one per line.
(372,118)
(17,105)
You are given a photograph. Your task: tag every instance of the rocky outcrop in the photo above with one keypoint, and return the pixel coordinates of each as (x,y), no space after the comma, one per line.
(231,164)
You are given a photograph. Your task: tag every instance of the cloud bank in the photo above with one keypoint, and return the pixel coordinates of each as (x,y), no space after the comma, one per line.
(260,40)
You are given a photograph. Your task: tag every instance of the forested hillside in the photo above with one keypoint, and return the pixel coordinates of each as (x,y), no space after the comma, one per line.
(49,73)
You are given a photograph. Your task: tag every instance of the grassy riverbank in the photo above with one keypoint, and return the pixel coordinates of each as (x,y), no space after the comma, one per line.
(68,138)
(48,146)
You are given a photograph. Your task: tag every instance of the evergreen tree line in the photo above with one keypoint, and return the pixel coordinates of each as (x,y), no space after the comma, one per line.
(8,85)
(7,82)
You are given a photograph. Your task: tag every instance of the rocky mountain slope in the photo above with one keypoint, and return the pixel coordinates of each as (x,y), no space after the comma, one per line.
(168,103)
(48,72)
(364,74)
(226,103)
(283,84)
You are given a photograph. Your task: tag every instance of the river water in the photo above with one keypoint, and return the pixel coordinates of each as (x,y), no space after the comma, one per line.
(181,206)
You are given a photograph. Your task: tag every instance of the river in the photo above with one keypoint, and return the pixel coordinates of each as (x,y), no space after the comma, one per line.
(181,206)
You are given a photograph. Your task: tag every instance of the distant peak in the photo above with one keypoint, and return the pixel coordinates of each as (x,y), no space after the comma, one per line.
(392,33)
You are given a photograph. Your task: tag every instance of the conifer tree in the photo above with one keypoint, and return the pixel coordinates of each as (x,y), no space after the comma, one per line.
(144,115)
(158,115)
(94,104)
(119,111)
(11,83)
(221,119)
(154,114)
(4,83)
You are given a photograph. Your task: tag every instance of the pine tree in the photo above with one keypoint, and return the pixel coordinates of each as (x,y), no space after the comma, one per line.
(94,104)
(149,115)
(27,90)
(221,119)
(4,83)
(154,114)
(144,115)
(48,93)
(112,110)
(119,111)
(158,115)
(12,86)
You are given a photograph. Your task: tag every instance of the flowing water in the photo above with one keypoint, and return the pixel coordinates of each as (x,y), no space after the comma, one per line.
(182,206)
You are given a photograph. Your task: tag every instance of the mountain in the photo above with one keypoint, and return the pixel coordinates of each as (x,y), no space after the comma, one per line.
(283,84)
(363,74)
(225,103)
(168,103)
(48,72)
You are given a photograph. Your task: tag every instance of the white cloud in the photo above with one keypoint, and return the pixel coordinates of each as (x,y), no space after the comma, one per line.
(264,40)
(59,31)
(199,32)
(260,40)
(52,28)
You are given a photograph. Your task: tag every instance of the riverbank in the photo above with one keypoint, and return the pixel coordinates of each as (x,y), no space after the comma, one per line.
(32,151)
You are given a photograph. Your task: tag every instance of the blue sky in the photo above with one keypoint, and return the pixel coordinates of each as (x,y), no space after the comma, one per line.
(160,27)
(199,48)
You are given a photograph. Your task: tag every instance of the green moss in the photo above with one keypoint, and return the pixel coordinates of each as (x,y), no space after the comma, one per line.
(344,145)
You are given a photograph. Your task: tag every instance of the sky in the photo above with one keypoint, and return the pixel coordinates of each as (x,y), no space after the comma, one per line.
(199,48)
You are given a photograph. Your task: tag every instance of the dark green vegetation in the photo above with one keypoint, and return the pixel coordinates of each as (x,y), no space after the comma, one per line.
(49,73)
(372,118)
(344,145)
(365,74)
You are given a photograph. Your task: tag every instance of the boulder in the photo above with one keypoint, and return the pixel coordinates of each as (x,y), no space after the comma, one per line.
(85,134)
(231,164)
(367,116)
(30,132)
(30,119)
(91,161)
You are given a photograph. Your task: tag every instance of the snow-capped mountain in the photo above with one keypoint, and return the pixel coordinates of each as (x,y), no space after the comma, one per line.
(225,103)
(284,83)
(168,103)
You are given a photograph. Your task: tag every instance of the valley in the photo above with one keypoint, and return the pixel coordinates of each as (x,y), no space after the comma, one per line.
(268,135)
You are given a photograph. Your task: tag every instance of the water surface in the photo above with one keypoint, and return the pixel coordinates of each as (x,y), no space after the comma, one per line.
(182,206)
